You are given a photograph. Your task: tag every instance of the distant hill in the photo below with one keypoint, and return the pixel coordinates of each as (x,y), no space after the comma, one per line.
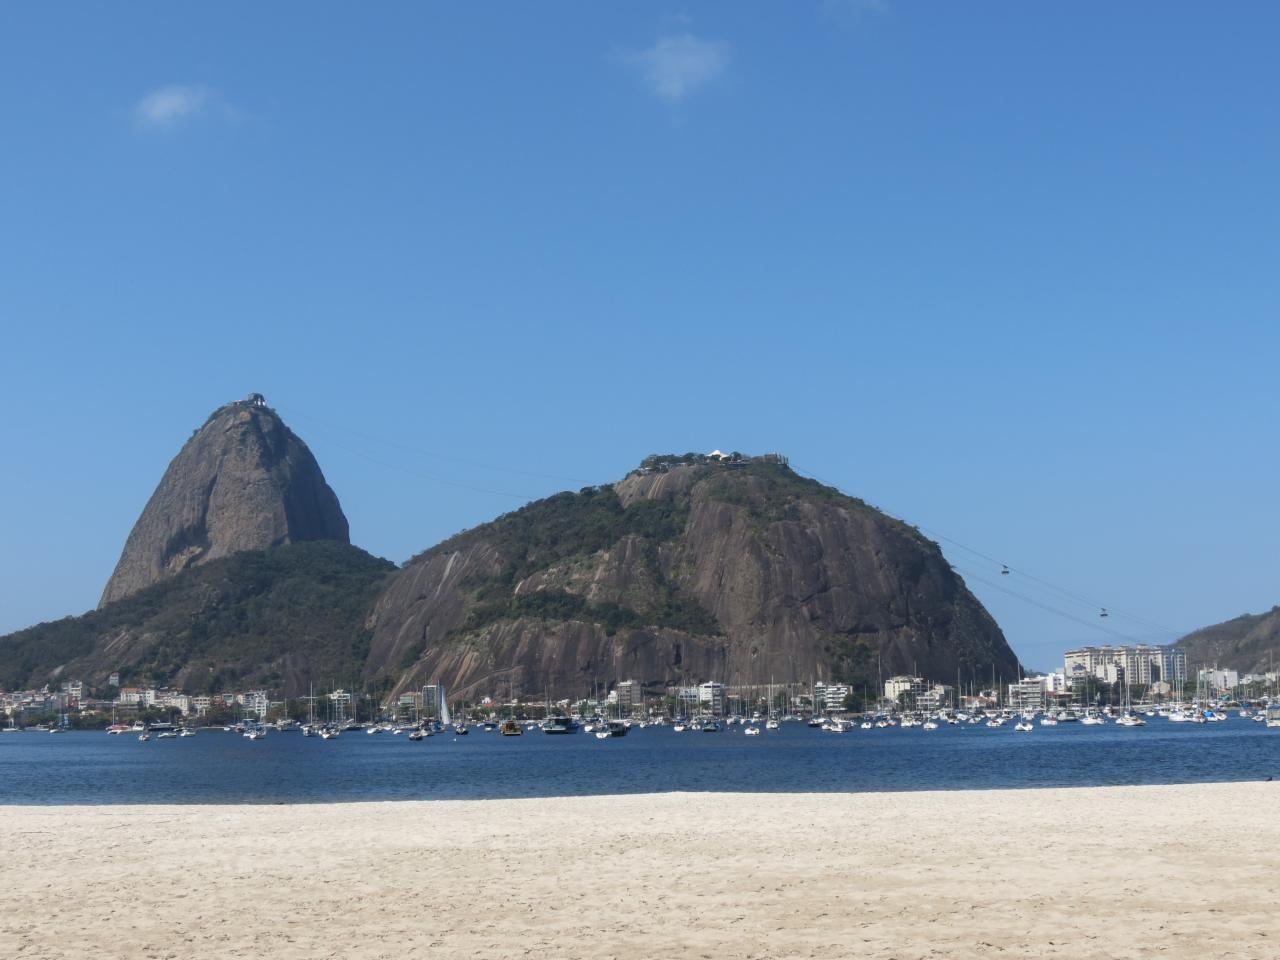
(278,618)
(244,481)
(1249,643)
(687,570)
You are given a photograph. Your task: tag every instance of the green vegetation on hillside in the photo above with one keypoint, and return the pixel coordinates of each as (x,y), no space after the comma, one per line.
(676,613)
(1248,643)
(229,621)
(570,525)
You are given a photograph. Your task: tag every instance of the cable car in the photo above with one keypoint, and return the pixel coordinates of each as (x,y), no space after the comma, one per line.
(1104,613)
(1004,570)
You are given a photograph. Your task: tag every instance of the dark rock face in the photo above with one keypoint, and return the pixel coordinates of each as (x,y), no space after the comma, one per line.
(1248,644)
(741,574)
(244,481)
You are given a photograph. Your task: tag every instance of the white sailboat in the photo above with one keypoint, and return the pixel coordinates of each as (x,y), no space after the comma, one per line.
(445,719)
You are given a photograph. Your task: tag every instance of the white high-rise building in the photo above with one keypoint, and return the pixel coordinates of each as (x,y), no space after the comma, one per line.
(711,696)
(1139,665)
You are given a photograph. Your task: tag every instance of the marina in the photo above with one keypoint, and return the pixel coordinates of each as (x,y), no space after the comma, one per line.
(220,766)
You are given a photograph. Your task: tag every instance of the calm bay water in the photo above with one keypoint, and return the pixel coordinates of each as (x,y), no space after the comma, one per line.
(219,767)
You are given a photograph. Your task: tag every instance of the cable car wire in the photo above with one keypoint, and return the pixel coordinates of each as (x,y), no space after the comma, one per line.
(1107,610)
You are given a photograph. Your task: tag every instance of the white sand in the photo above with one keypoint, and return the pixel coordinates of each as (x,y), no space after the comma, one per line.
(1178,871)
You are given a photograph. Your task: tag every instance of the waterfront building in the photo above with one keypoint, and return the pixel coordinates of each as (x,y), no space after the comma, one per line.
(1136,665)
(1217,681)
(629,693)
(1027,695)
(711,696)
(687,698)
(431,699)
(895,687)
(830,696)
(935,698)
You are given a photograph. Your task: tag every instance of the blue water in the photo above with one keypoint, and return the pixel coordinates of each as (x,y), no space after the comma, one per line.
(218,767)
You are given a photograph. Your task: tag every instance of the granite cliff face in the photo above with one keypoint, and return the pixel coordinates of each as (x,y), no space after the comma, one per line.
(243,481)
(742,573)
(684,571)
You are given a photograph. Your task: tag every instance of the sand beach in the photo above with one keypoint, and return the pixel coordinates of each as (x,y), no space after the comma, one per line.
(1157,871)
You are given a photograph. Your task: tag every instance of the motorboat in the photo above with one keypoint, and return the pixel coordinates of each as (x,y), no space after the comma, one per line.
(509,728)
(751,731)
(1024,726)
(558,725)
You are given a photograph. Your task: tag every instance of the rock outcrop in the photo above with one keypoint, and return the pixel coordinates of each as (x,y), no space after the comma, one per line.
(742,573)
(244,481)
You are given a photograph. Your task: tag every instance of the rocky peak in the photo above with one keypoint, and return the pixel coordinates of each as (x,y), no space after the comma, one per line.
(244,481)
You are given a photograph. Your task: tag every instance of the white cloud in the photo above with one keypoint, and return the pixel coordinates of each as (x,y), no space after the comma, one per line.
(168,105)
(676,66)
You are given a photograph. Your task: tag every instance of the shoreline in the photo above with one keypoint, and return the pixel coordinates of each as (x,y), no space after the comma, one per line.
(1182,870)
(757,795)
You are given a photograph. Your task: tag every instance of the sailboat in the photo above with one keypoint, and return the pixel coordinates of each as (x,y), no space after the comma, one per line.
(1129,718)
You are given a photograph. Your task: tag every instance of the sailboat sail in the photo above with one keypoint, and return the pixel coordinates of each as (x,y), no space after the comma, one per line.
(444,707)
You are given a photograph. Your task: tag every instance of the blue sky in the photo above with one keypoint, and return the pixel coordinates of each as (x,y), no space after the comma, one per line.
(1006,269)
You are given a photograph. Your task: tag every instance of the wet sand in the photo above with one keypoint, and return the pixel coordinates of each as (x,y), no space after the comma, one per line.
(1166,871)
